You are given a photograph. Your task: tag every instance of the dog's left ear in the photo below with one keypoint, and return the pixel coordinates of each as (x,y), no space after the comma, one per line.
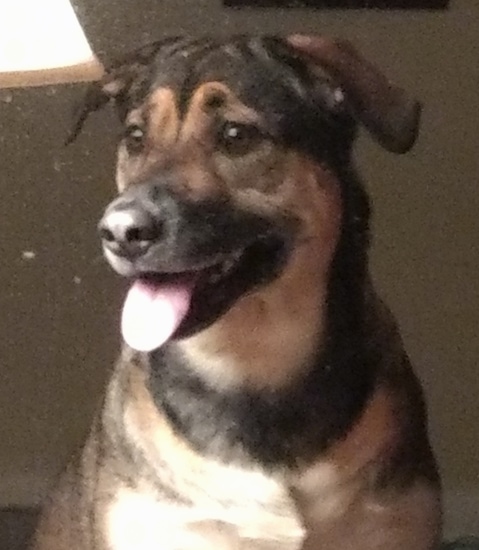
(111,86)
(390,116)
(124,77)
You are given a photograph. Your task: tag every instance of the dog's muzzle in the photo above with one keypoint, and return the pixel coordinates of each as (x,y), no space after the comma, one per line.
(189,260)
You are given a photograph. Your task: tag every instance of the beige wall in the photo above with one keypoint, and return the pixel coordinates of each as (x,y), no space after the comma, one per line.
(59,317)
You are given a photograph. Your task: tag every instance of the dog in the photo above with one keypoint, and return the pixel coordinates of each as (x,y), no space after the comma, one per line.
(263,398)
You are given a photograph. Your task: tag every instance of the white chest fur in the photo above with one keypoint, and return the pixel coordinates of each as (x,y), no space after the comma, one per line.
(241,511)
(228,507)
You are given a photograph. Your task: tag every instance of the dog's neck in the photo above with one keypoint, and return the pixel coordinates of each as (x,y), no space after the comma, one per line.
(277,427)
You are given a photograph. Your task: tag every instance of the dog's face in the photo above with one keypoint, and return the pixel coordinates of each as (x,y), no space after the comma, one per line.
(229,177)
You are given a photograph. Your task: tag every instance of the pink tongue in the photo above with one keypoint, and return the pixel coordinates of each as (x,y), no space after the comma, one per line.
(152,312)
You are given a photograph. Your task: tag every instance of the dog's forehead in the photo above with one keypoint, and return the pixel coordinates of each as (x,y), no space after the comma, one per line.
(257,70)
(297,105)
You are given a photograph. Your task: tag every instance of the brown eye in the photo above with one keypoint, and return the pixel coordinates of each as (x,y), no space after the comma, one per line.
(134,138)
(238,139)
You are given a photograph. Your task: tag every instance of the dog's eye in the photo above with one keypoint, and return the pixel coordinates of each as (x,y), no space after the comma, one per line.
(134,138)
(238,139)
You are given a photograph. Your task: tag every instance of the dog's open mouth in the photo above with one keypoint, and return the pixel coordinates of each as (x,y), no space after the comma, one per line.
(160,306)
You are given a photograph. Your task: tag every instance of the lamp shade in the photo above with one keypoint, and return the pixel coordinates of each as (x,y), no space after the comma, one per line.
(42,42)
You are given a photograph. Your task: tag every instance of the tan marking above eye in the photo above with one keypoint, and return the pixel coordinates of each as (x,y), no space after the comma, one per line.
(216,95)
(163,116)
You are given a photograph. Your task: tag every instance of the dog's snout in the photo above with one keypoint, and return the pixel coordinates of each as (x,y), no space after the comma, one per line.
(129,231)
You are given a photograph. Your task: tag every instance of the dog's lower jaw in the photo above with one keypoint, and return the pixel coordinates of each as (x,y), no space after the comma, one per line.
(273,332)
(253,348)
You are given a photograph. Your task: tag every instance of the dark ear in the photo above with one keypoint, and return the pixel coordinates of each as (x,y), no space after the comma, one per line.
(390,116)
(111,86)
(128,73)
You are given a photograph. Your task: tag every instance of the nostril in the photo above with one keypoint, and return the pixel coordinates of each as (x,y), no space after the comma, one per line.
(106,234)
(142,233)
(133,234)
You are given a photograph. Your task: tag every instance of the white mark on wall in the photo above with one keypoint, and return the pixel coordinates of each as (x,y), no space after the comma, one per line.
(29,255)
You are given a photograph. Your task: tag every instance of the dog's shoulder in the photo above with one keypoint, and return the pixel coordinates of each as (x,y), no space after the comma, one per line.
(196,496)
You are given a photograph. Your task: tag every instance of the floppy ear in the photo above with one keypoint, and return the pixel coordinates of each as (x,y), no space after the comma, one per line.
(111,86)
(390,116)
(123,77)
(95,98)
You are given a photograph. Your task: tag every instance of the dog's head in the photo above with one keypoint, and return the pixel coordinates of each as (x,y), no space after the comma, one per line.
(235,180)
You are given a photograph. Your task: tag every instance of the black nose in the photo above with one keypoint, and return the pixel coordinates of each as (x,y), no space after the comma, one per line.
(128,230)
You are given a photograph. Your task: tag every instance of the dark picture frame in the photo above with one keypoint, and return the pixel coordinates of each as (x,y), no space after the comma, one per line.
(376,4)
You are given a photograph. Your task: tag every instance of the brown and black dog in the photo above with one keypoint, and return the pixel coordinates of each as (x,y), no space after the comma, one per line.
(263,398)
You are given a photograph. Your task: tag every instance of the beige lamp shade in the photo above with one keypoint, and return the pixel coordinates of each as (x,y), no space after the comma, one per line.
(42,42)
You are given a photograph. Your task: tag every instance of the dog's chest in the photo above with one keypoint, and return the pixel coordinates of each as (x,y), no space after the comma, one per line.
(237,510)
